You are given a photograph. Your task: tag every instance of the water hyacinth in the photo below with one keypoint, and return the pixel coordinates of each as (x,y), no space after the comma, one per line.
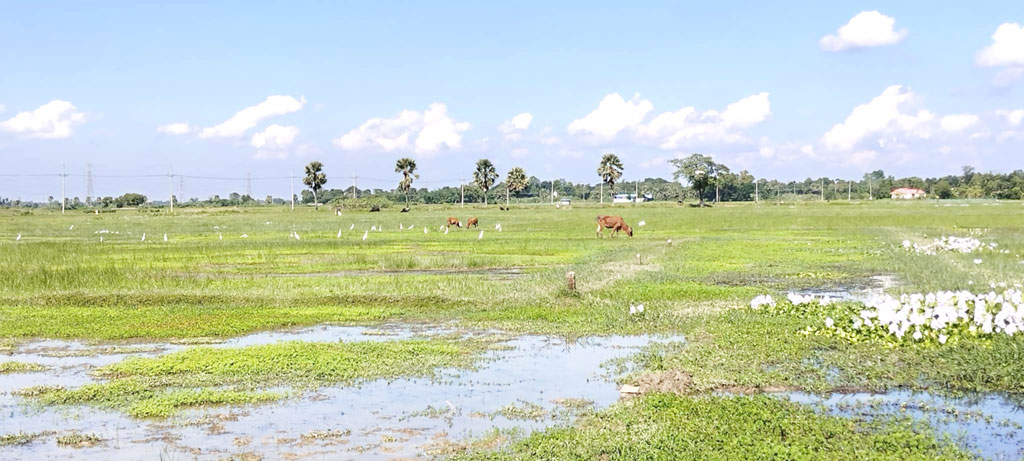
(762,300)
(939,315)
(963,245)
(797,299)
(636,310)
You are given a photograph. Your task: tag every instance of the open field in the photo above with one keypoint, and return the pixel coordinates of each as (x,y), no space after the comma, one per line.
(146,308)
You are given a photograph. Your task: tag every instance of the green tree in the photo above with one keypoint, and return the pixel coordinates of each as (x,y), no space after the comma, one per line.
(515,182)
(407,167)
(610,170)
(698,170)
(315,179)
(484,176)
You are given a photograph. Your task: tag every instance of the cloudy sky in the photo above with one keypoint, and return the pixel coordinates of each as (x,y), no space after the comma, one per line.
(222,91)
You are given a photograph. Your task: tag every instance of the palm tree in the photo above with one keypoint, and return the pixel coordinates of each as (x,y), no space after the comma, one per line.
(407,167)
(484,176)
(315,179)
(515,182)
(610,171)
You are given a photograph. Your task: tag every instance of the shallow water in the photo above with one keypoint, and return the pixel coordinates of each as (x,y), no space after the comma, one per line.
(376,420)
(878,286)
(990,426)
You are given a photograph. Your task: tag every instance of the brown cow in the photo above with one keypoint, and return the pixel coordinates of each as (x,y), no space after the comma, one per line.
(453,221)
(472,222)
(612,222)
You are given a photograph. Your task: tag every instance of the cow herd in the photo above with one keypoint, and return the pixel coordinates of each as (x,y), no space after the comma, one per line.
(615,223)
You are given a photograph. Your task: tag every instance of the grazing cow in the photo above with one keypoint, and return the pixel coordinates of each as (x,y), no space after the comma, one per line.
(612,222)
(472,222)
(453,221)
(405,210)
(375,209)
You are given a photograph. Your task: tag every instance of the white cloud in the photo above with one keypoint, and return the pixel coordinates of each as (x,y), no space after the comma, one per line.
(1013,117)
(247,118)
(2,107)
(881,116)
(958,122)
(513,128)
(1008,76)
(612,115)
(431,131)
(866,29)
(175,128)
(275,137)
(52,120)
(519,153)
(861,158)
(673,129)
(1007,48)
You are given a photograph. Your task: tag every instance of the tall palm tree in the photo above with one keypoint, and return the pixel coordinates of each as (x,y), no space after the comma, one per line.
(610,171)
(484,176)
(515,182)
(407,167)
(315,179)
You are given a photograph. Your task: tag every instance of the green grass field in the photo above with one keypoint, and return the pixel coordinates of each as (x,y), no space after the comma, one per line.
(694,269)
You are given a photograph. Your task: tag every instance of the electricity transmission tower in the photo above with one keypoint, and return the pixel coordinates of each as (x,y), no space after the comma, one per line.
(89,195)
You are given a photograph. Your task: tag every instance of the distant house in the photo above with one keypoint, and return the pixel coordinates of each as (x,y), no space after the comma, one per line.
(907,193)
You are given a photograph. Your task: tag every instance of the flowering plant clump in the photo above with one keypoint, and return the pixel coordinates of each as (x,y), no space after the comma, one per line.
(762,300)
(963,245)
(934,318)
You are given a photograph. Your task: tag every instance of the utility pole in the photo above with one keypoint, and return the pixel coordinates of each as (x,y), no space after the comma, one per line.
(291,182)
(63,176)
(462,192)
(552,191)
(636,191)
(821,185)
(181,186)
(848,188)
(355,185)
(755,192)
(248,184)
(870,196)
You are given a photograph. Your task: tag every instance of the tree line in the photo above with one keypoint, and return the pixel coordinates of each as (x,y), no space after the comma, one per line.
(696,177)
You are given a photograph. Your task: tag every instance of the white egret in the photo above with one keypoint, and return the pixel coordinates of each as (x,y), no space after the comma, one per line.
(143,236)
(481,236)
(365,234)
(165,237)
(339,234)
(19,238)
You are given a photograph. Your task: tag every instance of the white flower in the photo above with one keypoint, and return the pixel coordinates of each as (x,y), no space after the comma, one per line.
(977,260)
(640,308)
(917,335)
(829,322)
(942,339)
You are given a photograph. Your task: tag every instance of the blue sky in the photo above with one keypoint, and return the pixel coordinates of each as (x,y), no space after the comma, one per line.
(914,88)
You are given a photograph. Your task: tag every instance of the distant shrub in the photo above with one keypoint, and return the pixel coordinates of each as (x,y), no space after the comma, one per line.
(361,203)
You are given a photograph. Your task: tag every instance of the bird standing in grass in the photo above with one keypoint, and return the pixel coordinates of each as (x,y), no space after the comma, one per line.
(19,238)
(365,234)
(339,234)
(165,237)
(220,236)
(143,236)
(481,236)
(353,226)
(424,229)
